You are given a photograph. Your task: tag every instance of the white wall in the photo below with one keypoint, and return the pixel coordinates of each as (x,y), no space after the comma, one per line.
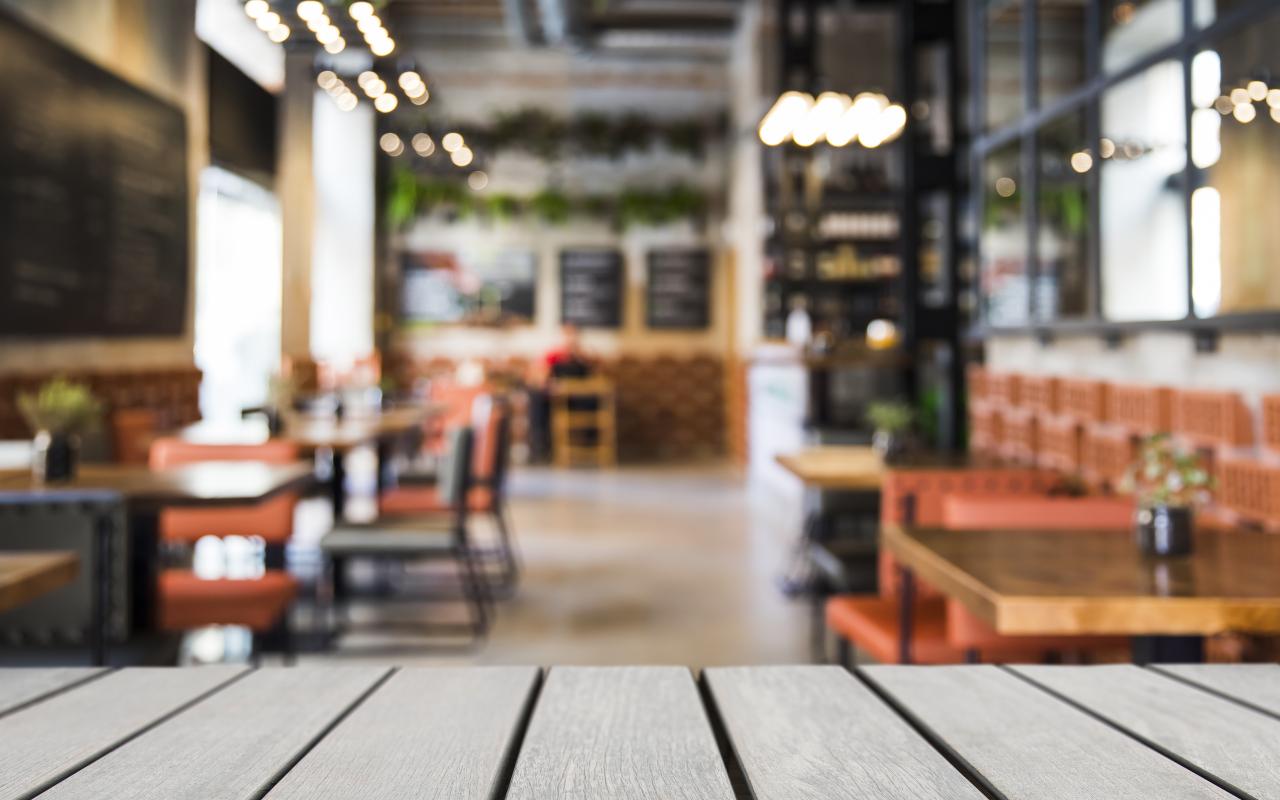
(343,247)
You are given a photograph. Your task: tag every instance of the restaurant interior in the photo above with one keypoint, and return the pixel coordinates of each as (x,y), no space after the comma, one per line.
(541,385)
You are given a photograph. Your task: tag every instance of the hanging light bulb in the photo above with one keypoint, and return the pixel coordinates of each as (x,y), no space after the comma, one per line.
(268,21)
(256,8)
(452,142)
(386,103)
(781,119)
(382,47)
(462,156)
(359,10)
(279,33)
(336,46)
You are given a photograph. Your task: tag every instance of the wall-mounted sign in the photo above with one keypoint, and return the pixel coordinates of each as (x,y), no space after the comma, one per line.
(591,286)
(679,289)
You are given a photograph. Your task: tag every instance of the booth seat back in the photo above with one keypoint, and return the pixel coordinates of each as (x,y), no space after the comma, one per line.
(272,520)
(917,497)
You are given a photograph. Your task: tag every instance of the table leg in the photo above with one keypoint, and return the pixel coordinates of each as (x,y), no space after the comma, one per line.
(906,612)
(1167,649)
(103,534)
(339,486)
(144,568)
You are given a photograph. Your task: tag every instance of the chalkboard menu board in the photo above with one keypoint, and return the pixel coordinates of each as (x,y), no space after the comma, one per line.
(591,288)
(93,197)
(679,289)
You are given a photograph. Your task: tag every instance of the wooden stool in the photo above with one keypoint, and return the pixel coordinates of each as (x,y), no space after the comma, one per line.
(583,422)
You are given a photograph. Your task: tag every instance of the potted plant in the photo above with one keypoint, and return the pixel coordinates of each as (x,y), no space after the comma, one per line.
(57,414)
(1167,482)
(891,420)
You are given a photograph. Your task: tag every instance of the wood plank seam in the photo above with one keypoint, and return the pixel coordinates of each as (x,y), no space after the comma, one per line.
(961,764)
(1240,701)
(724,743)
(510,757)
(158,721)
(323,732)
(55,692)
(1172,756)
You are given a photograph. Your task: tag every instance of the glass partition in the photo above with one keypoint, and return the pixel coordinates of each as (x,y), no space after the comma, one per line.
(1004,89)
(1061,44)
(1066,162)
(1132,29)
(1005,286)
(1144,240)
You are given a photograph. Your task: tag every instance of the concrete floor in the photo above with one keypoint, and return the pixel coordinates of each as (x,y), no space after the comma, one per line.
(635,566)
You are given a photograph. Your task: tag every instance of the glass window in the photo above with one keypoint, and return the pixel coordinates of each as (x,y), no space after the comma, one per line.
(1004,88)
(1144,227)
(1060,38)
(1066,163)
(1133,28)
(1207,12)
(1235,151)
(1005,292)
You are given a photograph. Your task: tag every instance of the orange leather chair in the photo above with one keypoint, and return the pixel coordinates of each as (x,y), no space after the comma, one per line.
(186,601)
(491,419)
(915,496)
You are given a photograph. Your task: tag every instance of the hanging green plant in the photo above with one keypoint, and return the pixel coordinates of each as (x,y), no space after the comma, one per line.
(551,206)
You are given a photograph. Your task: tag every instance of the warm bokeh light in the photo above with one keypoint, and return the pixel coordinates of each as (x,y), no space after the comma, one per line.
(477,180)
(268,21)
(360,10)
(1206,141)
(812,127)
(1245,112)
(420,99)
(336,46)
(1240,96)
(375,88)
(859,117)
(886,127)
(347,101)
(462,156)
(781,119)
(1106,147)
(382,47)
(1082,161)
(882,334)
(1006,186)
(318,23)
(423,144)
(310,9)
(1257,91)
(369,24)
(327,79)
(386,103)
(256,8)
(389,142)
(329,34)
(1206,78)
(279,33)
(451,141)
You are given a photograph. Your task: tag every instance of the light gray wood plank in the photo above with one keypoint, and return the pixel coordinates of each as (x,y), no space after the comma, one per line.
(1235,744)
(41,744)
(1030,745)
(1257,685)
(816,733)
(621,733)
(447,734)
(21,686)
(232,746)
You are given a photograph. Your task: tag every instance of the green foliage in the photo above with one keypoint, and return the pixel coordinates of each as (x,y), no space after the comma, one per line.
(1167,475)
(551,206)
(60,406)
(890,416)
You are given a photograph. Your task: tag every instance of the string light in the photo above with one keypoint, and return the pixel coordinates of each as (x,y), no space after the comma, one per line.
(268,21)
(360,10)
(452,142)
(386,103)
(391,144)
(317,24)
(279,33)
(327,79)
(462,156)
(1006,186)
(423,145)
(336,46)
(383,47)
(256,8)
(309,9)
(1245,112)
(869,118)
(477,180)
(1257,91)
(1081,161)
(369,24)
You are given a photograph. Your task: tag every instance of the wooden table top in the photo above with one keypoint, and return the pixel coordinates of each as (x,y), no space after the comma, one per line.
(27,575)
(850,468)
(1096,582)
(312,432)
(209,483)
(642,733)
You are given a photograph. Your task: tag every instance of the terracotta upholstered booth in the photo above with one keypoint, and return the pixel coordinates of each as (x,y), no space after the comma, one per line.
(943,631)
(491,420)
(186,600)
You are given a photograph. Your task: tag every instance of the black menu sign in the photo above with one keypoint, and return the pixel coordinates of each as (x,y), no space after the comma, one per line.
(591,288)
(93,201)
(679,289)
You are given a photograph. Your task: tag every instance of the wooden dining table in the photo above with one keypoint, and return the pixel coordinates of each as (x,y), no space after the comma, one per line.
(24,576)
(1091,582)
(147,492)
(337,436)
(1194,732)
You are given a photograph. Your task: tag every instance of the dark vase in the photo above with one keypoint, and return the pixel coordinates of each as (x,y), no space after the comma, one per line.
(1165,530)
(54,456)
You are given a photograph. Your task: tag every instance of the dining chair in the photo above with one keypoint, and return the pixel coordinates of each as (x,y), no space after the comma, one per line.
(487,495)
(418,539)
(186,600)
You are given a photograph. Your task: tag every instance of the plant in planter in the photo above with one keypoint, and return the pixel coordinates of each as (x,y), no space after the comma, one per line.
(1167,482)
(57,414)
(891,421)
